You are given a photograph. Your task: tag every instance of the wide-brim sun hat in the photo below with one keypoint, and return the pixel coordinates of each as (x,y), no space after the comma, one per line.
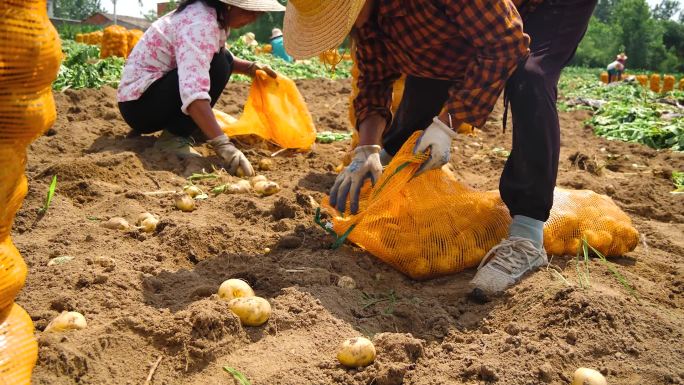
(621,56)
(276,33)
(314,26)
(257,5)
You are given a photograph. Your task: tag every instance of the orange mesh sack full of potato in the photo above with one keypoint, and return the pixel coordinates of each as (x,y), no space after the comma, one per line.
(114,42)
(434,225)
(30,56)
(275,111)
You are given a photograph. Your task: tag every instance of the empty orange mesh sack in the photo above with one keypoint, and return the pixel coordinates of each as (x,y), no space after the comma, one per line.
(18,347)
(434,225)
(275,111)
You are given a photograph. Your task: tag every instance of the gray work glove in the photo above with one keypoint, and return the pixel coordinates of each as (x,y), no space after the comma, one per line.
(234,159)
(366,164)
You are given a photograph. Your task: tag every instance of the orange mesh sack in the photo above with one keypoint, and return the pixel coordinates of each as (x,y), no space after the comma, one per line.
(668,83)
(275,111)
(134,36)
(30,56)
(18,347)
(114,42)
(579,214)
(433,225)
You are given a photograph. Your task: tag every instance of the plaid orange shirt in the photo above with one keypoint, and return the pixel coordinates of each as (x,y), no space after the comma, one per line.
(474,43)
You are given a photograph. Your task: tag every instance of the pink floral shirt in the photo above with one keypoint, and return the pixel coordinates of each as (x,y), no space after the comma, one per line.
(187,41)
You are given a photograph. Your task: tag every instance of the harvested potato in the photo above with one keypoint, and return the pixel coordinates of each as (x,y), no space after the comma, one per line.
(266,188)
(241,187)
(68,320)
(252,311)
(116,223)
(147,222)
(185,203)
(356,352)
(234,288)
(346,282)
(586,376)
(192,191)
(257,179)
(265,164)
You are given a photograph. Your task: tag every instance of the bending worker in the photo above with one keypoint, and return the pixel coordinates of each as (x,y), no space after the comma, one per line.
(457,54)
(178,70)
(276,41)
(616,68)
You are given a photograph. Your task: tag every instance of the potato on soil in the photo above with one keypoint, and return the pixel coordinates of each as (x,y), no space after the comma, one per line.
(68,320)
(265,164)
(116,223)
(252,311)
(147,222)
(356,352)
(234,288)
(192,191)
(185,203)
(241,187)
(586,376)
(259,178)
(267,188)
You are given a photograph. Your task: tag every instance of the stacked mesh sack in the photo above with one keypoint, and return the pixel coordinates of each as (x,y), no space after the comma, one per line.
(114,42)
(134,36)
(30,56)
(434,225)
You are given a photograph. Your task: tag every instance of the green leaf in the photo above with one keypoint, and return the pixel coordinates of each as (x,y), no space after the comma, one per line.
(50,195)
(239,377)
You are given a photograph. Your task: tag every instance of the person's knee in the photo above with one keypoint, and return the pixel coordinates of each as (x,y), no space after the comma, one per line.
(529,80)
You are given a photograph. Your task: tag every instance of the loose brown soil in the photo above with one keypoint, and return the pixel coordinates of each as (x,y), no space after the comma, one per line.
(152,295)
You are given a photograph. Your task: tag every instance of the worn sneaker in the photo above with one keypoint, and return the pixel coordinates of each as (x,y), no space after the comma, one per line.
(177,145)
(506,263)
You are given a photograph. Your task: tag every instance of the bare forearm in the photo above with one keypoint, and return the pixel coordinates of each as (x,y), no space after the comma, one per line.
(201,113)
(371,130)
(241,66)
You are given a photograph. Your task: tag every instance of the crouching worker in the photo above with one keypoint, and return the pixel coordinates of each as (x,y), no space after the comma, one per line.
(616,68)
(178,70)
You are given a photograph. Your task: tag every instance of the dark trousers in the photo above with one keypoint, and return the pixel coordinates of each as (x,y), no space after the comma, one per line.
(528,180)
(159,108)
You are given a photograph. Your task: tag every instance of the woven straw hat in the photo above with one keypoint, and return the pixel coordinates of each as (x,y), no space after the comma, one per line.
(276,32)
(621,57)
(257,5)
(313,26)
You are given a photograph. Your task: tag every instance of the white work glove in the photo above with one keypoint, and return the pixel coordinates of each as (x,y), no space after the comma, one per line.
(437,137)
(234,159)
(366,164)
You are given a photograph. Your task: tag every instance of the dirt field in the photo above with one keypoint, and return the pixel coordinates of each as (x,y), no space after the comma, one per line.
(150,296)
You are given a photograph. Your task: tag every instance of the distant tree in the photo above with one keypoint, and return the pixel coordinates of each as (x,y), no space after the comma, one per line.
(77,9)
(666,10)
(604,10)
(600,45)
(639,32)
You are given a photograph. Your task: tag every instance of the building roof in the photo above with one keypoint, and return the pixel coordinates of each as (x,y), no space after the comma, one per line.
(138,22)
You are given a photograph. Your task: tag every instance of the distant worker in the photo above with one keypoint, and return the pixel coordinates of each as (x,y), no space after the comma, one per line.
(278,46)
(178,70)
(249,39)
(616,68)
